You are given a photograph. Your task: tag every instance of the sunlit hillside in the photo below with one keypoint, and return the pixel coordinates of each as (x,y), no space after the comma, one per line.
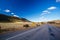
(6,18)
(54,23)
(11,23)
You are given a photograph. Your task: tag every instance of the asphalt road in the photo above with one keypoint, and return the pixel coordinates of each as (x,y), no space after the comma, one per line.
(45,32)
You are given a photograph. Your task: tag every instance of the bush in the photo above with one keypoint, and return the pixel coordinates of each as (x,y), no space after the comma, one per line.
(38,25)
(0,27)
(26,25)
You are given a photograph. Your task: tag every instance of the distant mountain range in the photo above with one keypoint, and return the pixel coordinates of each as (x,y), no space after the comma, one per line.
(6,18)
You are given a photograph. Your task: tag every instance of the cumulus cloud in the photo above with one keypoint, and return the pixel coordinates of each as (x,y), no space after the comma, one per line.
(48,10)
(15,15)
(57,0)
(45,12)
(52,8)
(12,13)
(7,10)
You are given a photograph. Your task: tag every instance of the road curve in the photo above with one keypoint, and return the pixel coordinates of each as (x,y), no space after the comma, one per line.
(45,32)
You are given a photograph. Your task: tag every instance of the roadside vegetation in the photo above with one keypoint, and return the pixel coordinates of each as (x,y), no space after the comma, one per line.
(55,23)
(6,27)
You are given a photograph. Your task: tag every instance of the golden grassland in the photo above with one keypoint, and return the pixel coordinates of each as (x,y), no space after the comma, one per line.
(54,23)
(8,27)
(5,27)
(57,25)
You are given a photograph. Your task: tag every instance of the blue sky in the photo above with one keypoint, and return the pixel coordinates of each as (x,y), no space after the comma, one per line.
(33,10)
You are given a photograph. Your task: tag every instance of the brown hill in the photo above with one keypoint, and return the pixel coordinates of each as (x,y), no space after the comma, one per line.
(6,18)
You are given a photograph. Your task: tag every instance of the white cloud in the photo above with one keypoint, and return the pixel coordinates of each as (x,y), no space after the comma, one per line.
(45,12)
(15,15)
(48,10)
(12,13)
(57,0)
(7,10)
(43,19)
(52,8)
(0,9)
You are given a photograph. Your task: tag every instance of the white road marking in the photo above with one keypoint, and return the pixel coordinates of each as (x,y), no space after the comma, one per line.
(22,33)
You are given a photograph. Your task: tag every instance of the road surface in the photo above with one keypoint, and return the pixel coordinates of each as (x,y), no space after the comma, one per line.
(45,32)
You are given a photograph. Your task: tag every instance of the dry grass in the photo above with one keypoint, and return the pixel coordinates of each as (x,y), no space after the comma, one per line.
(57,25)
(5,27)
